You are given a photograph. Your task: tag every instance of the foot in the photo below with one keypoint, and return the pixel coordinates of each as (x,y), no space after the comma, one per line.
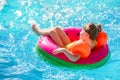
(35,29)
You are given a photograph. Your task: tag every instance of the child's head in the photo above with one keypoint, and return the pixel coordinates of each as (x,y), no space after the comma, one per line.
(92,30)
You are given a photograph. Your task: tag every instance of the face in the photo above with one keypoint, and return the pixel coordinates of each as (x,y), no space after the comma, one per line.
(83,33)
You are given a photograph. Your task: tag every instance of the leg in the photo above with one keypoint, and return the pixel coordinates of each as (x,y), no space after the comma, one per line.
(54,36)
(38,31)
(65,39)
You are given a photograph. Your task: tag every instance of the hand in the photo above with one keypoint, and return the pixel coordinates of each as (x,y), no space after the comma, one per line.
(59,50)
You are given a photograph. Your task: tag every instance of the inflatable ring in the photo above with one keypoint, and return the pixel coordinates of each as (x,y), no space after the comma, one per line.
(98,56)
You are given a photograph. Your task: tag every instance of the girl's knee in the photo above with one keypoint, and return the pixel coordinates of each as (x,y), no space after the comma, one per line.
(51,32)
(57,29)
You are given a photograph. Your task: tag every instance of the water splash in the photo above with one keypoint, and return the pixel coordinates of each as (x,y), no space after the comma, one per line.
(2,4)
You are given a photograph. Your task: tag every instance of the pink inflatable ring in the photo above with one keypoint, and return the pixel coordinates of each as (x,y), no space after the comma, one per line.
(45,46)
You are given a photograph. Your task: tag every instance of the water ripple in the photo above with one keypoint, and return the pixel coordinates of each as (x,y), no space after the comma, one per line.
(2,4)
(18,58)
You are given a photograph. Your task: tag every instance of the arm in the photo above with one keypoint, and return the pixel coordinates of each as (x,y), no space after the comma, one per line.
(71,57)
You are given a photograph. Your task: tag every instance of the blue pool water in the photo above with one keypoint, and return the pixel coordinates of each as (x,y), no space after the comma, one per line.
(18,58)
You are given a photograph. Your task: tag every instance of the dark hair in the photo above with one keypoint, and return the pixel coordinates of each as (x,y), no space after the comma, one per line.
(92,30)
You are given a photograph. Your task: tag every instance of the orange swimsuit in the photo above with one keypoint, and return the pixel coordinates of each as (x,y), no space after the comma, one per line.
(81,46)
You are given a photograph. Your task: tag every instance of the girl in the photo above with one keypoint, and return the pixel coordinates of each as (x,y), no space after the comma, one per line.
(73,50)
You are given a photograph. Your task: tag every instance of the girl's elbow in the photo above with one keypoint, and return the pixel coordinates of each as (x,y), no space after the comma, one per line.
(76,59)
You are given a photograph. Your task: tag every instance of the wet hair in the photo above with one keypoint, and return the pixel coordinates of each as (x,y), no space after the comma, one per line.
(92,30)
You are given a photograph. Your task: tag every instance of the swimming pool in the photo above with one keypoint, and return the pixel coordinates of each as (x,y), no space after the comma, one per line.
(18,57)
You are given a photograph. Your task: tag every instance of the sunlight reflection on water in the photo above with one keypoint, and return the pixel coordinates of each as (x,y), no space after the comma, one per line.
(18,57)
